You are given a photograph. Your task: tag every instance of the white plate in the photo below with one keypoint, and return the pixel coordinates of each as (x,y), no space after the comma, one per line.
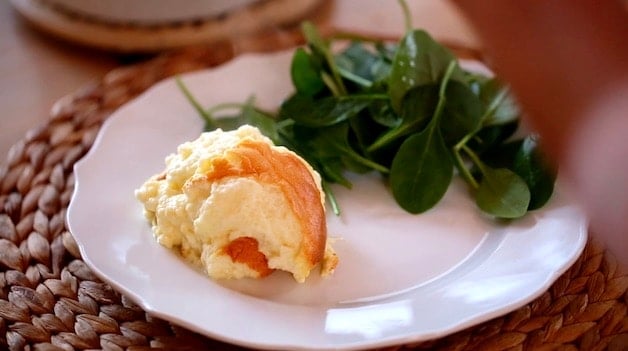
(401,278)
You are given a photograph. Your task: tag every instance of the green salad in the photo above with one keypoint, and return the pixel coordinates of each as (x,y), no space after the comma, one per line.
(407,110)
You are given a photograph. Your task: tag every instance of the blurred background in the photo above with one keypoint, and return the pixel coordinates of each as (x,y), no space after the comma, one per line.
(49,48)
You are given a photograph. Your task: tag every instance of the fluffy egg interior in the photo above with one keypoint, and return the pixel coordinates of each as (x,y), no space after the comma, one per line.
(239,206)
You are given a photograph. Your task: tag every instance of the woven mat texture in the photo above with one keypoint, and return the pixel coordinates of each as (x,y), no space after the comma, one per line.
(52,301)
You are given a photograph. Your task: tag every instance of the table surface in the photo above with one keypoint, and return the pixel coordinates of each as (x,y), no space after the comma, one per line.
(37,69)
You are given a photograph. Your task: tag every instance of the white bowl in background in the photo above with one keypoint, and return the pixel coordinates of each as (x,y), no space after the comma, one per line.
(148,11)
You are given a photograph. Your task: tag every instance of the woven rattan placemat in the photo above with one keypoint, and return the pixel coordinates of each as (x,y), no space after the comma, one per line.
(52,301)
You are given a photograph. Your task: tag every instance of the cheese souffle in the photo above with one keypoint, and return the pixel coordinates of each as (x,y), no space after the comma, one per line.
(239,206)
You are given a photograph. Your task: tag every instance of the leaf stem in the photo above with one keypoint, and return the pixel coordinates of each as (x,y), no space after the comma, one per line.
(331,84)
(464,171)
(464,140)
(388,137)
(494,105)
(226,106)
(406,15)
(316,41)
(489,112)
(341,35)
(205,115)
(355,78)
(367,97)
(331,197)
(442,98)
(334,71)
(367,162)
(394,133)
(474,158)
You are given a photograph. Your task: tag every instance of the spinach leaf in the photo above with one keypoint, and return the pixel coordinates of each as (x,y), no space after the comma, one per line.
(365,127)
(332,169)
(332,143)
(358,61)
(383,114)
(538,173)
(525,158)
(305,73)
(419,61)
(418,106)
(260,119)
(492,137)
(462,113)
(320,49)
(323,112)
(502,193)
(421,171)
(499,103)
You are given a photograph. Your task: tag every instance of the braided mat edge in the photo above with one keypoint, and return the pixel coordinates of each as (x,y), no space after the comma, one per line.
(52,301)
